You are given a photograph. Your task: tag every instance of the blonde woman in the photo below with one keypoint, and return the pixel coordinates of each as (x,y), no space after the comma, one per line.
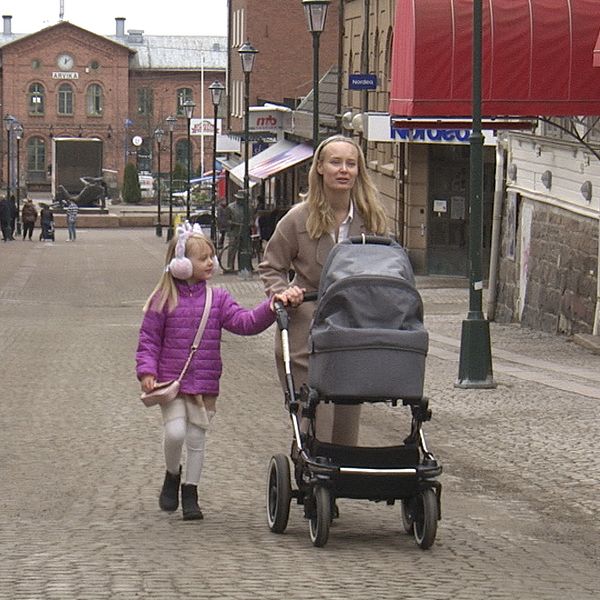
(341,202)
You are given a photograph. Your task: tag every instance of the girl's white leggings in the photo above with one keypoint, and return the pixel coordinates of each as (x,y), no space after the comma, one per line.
(177,431)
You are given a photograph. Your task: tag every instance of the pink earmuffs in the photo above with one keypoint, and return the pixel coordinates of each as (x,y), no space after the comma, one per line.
(181,266)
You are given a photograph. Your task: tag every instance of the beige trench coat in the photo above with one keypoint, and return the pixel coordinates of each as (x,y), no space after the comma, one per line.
(291,247)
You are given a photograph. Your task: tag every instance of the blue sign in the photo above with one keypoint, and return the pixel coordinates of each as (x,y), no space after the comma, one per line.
(362,81)
(432,135)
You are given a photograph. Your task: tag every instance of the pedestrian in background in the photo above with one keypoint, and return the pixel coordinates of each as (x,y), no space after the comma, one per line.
(71,211)
(14,212)
(171,317)
(222,222)
(47,223)
(341,202)
(5,219)
(28,216)
(235,221)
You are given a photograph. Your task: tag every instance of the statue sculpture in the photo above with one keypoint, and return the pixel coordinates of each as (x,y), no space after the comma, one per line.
(92,194)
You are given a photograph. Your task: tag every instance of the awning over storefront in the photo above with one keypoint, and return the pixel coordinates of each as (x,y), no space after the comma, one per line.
(276,158)
(538,58)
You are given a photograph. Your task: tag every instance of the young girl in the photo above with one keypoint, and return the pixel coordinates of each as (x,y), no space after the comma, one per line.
(171,317)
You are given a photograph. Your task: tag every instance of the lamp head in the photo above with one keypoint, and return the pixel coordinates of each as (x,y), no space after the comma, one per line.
(8,121)
(247,54)
(188,107)
(316,14)
(171,120)
(216,91)
(159,135)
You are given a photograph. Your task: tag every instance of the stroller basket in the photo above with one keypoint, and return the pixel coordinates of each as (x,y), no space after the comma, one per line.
(372,473)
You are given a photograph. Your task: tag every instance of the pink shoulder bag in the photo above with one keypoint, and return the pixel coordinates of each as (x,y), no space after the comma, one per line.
(167,391)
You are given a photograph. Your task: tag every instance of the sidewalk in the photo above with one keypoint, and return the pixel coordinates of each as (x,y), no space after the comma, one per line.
(82,458)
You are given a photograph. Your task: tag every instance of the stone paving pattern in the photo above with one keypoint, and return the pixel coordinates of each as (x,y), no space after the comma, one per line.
(82,464)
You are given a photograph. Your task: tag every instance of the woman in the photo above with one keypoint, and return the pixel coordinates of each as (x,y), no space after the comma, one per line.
(341,202)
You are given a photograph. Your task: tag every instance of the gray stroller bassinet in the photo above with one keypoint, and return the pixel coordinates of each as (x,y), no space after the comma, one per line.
(367,339)
(367,344)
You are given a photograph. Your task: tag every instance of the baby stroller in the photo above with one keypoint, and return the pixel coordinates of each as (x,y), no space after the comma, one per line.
(367,343)
(47,232)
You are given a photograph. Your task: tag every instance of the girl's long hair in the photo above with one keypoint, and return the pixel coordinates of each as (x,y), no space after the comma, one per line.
(165,292)
(364,194)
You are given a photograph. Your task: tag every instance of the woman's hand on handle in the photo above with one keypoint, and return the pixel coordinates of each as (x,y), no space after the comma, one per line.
(292,296)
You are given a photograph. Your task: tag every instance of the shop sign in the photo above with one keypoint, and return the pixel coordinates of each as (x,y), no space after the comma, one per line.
(362,81)
(204,126)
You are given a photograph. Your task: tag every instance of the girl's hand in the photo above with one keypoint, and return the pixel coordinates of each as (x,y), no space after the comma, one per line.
(148,383)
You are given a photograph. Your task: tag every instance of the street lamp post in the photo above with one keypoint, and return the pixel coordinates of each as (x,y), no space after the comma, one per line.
(171,125)
(8,125)
(247,55)
(475,364)
(188,107)
(18,129)
(316,14)
(158,136)
(216,90)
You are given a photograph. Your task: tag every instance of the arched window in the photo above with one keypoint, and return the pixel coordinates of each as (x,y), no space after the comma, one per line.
(36,159)
(183,94)
(93,100)
(36,99)
(65,99)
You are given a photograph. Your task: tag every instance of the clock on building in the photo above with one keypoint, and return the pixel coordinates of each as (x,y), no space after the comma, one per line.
(65,62)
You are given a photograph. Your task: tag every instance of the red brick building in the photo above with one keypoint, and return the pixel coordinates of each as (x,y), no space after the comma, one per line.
(67,81)
(283,68)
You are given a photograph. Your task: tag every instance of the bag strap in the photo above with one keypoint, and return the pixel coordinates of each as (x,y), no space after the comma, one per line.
(199,333)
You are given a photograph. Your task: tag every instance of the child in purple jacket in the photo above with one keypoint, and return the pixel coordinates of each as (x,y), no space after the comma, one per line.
(171,317)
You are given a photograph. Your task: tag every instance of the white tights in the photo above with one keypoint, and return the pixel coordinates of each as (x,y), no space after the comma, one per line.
(178,431)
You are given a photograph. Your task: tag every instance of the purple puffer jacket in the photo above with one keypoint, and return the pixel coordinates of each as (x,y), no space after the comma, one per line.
(166,337)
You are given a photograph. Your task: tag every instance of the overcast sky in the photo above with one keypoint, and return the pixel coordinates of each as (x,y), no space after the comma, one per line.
(155,17)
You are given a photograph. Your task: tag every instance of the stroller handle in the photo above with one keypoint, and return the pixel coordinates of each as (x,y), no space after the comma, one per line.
(281,311)
(370,239)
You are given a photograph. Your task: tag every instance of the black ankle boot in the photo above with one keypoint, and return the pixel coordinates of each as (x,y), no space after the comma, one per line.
(189,502)
(169,495)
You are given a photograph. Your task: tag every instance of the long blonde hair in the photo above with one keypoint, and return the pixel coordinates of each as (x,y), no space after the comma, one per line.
(165,292)
(364,194)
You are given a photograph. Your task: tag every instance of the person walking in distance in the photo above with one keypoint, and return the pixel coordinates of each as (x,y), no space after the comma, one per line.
(28,216)
(235,221)
(172,314)
(5,220)
(71,211)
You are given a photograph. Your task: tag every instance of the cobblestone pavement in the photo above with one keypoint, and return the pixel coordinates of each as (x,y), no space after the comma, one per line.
(82,463)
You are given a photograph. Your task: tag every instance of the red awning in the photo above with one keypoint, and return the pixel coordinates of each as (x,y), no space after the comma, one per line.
(538,58)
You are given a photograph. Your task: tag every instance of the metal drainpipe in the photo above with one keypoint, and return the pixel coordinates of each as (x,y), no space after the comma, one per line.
(496,227)
(341,33)
(596,328)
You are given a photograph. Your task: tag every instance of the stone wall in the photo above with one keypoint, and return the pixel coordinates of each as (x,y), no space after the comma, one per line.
(561,281)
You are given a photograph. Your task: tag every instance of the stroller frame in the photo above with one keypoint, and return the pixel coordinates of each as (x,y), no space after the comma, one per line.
(324,471)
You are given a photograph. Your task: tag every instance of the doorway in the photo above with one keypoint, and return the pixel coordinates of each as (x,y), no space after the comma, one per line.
(448,214)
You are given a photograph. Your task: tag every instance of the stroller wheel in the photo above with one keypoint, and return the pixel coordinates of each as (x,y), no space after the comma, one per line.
(425,518)
(406,512)
(279,493)
(321,519)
